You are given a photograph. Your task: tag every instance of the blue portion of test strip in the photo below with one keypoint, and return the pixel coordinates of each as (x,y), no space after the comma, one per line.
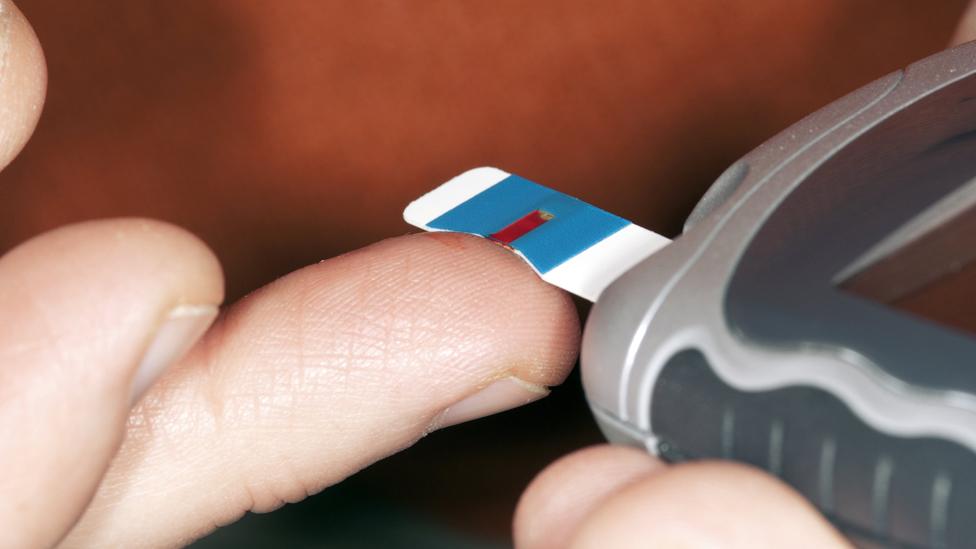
(574,227)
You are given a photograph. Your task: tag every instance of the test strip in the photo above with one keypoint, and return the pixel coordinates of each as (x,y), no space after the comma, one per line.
(568,242)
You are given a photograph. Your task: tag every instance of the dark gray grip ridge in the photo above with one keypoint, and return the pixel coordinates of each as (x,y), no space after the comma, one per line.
(881,490)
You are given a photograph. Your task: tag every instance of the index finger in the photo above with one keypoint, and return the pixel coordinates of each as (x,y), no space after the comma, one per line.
(325,371)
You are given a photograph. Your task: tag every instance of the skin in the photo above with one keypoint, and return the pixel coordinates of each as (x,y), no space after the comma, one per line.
(338,364)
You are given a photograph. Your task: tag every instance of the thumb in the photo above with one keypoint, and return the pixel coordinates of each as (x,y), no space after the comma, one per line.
(966,30)
(90,313)
(23,81)
(613,497)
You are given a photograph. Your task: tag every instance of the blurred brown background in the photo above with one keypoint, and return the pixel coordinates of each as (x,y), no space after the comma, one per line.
(286,132)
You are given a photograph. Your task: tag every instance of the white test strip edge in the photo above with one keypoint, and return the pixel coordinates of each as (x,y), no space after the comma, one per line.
(586,274)
(448,196)
(589,272)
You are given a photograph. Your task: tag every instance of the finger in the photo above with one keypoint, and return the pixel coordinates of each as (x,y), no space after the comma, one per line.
(90,314)
(571,488)
(706,504)
(325,371)
(23,80)
(966,30)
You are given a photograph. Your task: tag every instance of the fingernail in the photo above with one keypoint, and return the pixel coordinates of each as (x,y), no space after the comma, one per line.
(503,394)
(181,328)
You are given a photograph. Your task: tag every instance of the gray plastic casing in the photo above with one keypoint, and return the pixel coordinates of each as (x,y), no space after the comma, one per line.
(735,342)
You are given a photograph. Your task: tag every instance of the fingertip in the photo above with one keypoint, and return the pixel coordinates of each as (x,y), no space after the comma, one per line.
(566,491)
(23,81)
(707,504)
(490,334)
(537,319)
(464,282)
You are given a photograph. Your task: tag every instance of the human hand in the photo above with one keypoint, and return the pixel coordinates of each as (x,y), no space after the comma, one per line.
(274,403)
(295,387)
